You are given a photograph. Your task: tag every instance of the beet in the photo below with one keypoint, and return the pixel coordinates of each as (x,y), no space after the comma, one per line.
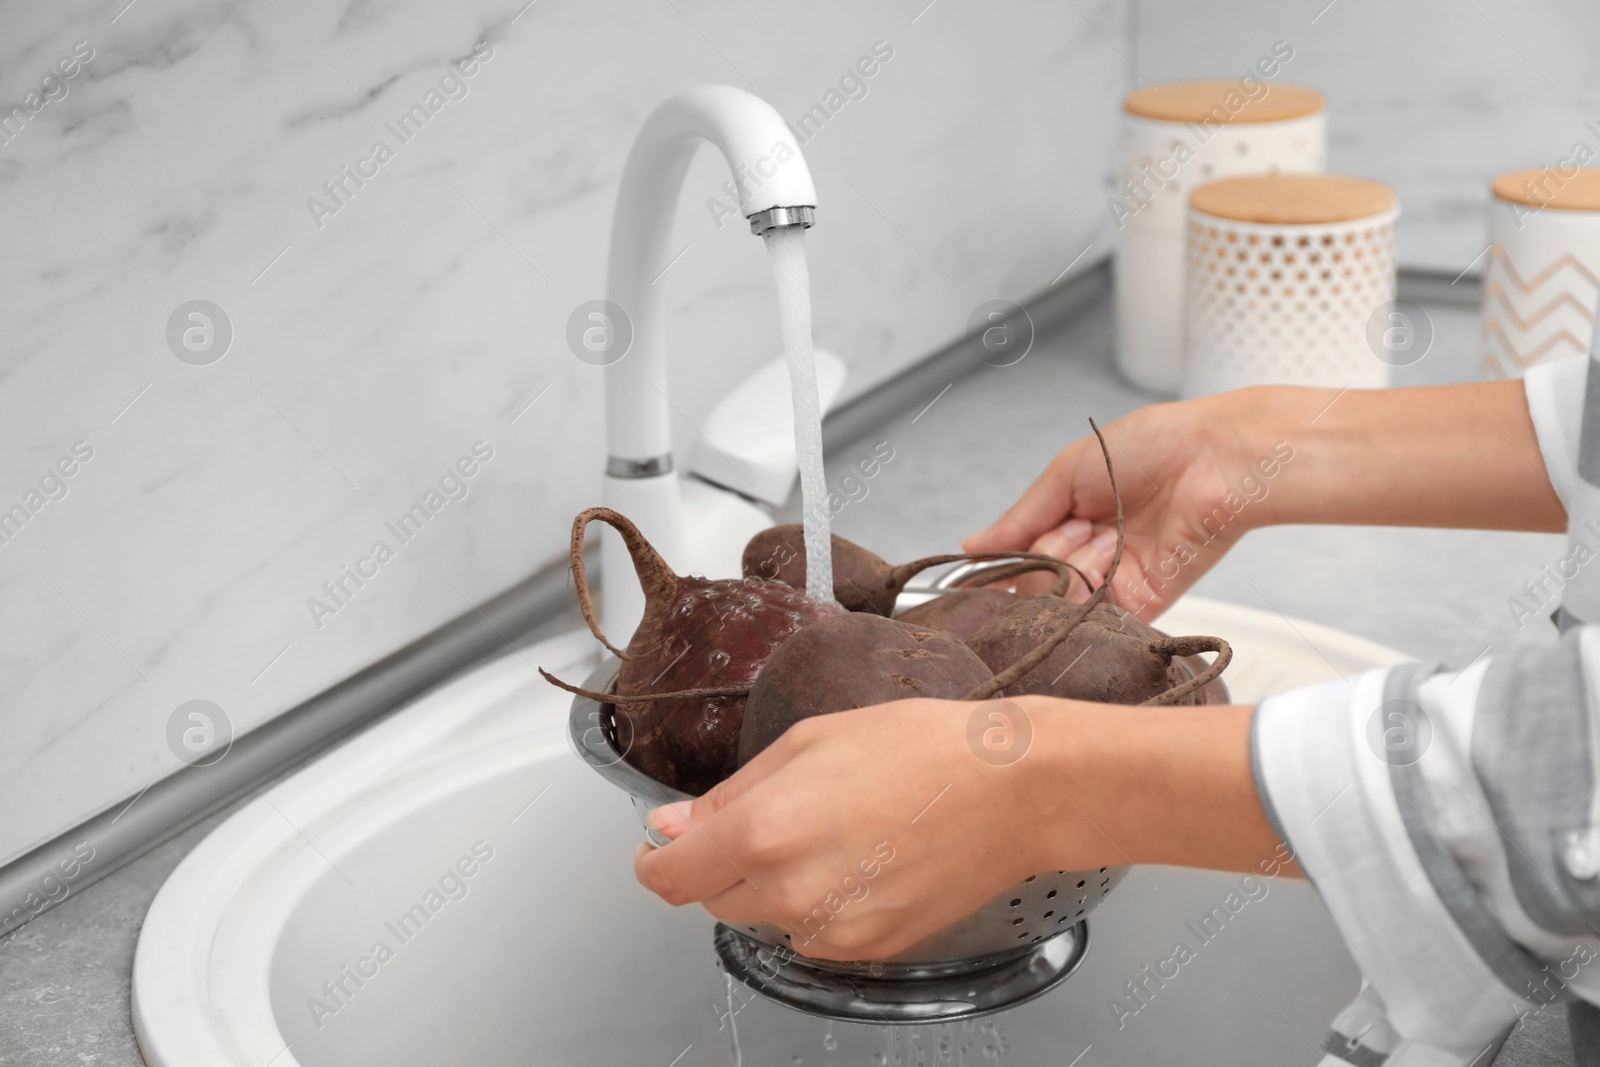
(700,645)
(959,612)
(862,581)
(962,611)
(717,670)
(859,577)
(1109,656)
(852,661)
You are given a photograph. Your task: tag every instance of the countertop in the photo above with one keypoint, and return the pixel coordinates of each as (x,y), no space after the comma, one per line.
(959,457)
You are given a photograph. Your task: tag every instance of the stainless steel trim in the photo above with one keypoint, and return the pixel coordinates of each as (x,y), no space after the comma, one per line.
(777,217)
(654,467)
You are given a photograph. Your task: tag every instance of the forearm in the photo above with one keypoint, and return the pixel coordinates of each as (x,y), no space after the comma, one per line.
(1147,785)
(1442,456)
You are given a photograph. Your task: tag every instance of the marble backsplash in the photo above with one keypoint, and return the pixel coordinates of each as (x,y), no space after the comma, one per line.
(242,340)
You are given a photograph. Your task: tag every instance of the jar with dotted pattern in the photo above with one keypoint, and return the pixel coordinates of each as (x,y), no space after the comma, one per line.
(1175,138)
(1285,275)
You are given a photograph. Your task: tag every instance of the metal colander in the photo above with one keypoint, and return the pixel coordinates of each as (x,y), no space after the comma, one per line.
(1016,947)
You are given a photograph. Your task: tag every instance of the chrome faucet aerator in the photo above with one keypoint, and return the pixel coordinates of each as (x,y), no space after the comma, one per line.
(774,218)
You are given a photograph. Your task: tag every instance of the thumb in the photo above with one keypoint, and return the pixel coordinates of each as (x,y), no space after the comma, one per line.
(673,820)
(692,866)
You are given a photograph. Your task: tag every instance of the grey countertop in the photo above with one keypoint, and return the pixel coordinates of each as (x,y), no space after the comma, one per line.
(65,977)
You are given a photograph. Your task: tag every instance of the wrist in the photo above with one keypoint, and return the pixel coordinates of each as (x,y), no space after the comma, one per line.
(1130,785)
(1254,447)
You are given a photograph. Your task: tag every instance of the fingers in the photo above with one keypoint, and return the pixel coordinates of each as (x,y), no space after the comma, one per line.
(672,820)
(742,904)
(821,933)
(702,859)
(1043,506)
(1087,547)
(1094,558)
(692,868)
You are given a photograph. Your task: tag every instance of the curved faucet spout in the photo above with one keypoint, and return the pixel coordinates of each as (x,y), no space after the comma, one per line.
(774,189)
(768,173)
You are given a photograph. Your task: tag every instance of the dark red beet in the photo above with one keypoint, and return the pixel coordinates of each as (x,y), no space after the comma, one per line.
(1109,656)
(852,661)
(698,648)
(962,611)
(862,581)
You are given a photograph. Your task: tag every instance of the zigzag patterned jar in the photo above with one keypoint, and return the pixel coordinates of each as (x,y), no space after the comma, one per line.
(1542,281)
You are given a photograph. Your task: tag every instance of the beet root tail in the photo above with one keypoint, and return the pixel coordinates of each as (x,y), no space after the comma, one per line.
(1190,646)
(655,577)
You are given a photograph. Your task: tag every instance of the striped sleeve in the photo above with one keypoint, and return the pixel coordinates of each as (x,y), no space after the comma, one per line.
(1447,820)
(1450,821)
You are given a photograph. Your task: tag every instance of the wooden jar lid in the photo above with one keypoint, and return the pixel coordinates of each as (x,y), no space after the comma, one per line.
(1221,103)
(1293,199)
(1550,189)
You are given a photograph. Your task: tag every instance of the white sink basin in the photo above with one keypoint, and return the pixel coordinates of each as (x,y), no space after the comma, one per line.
(529,942)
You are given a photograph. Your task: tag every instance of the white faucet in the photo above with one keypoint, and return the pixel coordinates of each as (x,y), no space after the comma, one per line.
(697,527)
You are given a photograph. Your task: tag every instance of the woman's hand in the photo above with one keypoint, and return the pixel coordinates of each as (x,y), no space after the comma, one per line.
(1189,473)
(860,832)
(863,832)
(1196,475)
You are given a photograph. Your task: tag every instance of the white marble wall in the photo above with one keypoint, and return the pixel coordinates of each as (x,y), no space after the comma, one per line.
(369,353)
(1434,97)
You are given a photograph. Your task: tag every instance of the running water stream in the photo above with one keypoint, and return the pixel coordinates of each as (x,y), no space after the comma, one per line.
(786,244)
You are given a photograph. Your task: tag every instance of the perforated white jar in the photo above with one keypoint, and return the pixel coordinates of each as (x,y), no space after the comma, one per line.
(1542,280)
(1286,276)
(1175,138)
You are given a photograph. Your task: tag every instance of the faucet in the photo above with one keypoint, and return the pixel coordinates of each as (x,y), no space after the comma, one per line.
(696,526)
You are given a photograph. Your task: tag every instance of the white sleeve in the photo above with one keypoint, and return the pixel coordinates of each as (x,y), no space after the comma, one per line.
(1555,400)
(1448,821)
(1451,821)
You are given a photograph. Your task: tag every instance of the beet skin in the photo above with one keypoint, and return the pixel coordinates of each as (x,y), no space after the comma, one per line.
(1110,657)
(851,661)
(696,634)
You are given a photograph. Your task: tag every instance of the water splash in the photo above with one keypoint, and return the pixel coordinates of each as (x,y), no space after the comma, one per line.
(786,245)
(733,1025)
